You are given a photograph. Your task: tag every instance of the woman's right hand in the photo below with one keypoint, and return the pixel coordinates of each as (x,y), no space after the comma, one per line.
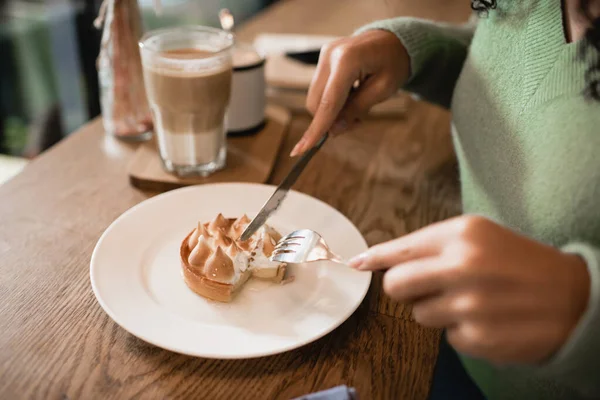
(376,59)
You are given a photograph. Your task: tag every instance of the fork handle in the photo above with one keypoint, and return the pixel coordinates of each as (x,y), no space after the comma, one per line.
(331,256)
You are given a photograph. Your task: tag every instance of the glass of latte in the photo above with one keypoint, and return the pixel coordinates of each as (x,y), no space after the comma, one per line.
(187,75)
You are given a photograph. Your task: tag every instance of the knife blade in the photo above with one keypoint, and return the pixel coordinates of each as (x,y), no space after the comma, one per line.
(281,192)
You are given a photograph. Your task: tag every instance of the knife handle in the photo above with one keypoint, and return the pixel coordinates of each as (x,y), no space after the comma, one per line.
(302,162)
(321,141)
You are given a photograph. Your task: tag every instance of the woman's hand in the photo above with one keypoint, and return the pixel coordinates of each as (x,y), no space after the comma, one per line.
(375,59)
(501,296)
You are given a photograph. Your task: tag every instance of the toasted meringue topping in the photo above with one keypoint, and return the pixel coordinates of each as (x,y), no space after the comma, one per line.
(268,244)
(221,239)
(199,231)
(240,259)
(202,230)
(200,252)
(220,223)
(233,250)
(247,245)
(264,246)
(276,236)
(238,227)
(219,267)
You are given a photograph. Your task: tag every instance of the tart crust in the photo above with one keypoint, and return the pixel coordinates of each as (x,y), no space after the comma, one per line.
(203,286)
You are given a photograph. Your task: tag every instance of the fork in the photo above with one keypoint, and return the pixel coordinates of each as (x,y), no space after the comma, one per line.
(303,246)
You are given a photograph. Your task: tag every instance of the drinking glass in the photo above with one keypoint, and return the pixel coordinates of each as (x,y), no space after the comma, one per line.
(187,76)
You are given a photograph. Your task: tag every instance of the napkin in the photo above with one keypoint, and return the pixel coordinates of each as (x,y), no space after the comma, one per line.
(336,393)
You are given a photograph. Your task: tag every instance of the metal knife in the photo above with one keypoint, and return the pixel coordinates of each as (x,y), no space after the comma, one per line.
(282,190)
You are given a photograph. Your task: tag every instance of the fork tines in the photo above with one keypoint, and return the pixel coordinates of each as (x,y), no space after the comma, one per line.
(287,241)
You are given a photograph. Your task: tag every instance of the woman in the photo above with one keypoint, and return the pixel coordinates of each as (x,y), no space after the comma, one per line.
(515,281)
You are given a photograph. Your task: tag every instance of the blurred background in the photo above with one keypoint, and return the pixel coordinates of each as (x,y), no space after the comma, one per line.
(48,51)
(48,76)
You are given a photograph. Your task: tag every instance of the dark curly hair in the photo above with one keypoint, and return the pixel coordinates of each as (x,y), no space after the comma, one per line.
(590,43)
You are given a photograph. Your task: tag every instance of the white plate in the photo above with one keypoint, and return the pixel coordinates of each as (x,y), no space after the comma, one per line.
(136,276)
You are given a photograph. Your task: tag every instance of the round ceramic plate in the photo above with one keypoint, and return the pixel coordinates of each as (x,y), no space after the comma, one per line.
(136,276)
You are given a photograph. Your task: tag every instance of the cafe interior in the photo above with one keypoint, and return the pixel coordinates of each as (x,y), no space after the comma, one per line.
(183,216)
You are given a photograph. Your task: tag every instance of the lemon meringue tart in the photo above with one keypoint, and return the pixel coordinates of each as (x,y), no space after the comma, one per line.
(216,264)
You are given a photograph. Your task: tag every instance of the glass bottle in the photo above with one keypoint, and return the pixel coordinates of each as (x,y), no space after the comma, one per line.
(125,110)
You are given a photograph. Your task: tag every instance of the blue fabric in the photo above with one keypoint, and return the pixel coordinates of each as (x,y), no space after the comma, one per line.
(336,393)
(450,380)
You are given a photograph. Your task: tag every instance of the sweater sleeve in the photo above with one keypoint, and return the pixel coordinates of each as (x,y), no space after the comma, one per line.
(577,363)
(437,52)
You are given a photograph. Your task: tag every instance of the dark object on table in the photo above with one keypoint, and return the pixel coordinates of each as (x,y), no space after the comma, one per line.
(88,40)
(44,132)
(450,379)
(310,57)
(248,132)
(336,393)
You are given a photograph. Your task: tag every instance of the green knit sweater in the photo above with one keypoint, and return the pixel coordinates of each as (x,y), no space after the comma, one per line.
(528,146)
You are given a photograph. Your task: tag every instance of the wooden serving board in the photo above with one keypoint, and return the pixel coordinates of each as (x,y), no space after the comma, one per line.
(249,158)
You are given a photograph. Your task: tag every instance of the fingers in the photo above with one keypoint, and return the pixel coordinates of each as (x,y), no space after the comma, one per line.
(454,306)
(319,80)
(434,312)
(389,254)
(489,339)
(417,279)
(425,242)
(376,54)
(333,98)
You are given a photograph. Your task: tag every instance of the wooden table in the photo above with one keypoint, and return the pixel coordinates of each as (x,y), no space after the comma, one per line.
(388,176)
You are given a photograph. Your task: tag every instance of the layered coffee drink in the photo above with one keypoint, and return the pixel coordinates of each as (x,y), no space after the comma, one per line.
(188,83)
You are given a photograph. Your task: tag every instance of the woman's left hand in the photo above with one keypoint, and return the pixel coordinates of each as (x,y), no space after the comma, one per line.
(501,296)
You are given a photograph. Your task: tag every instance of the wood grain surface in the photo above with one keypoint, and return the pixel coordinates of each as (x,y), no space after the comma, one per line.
(389,176)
